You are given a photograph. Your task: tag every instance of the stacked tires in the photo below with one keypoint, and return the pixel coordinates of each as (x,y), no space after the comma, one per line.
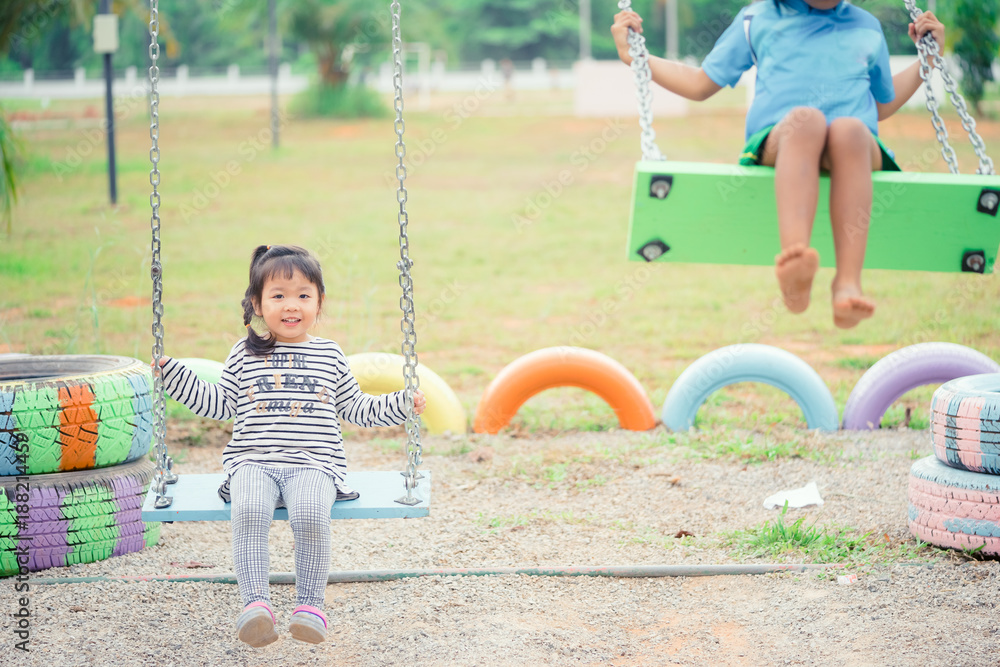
(75,432)
(955,494)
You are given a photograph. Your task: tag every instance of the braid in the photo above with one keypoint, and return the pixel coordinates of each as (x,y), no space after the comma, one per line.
(256,344)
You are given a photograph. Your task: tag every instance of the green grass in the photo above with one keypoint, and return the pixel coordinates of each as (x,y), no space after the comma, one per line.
(856,363)
(811,543)
(486,291)
(754,448)
(496,522)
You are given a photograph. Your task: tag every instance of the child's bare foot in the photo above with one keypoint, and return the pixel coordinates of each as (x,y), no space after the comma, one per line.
(850,306)
(795,268)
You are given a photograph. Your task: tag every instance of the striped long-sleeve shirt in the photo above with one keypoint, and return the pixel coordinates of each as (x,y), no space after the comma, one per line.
(286,405)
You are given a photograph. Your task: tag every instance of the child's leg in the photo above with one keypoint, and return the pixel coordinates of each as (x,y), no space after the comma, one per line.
(254,496)
(851,155)
(794,148)
(309,495)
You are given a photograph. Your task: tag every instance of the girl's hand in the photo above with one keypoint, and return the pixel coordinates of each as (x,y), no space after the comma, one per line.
(419,402)
(163,361)
(928,23)
(623,21)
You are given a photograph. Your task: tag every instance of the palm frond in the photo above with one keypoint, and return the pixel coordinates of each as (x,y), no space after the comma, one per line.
(9,153)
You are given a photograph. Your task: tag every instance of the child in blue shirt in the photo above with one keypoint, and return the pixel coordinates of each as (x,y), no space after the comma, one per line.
(823,83)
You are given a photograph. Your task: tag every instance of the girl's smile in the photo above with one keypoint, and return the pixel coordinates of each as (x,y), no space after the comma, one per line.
(823,4)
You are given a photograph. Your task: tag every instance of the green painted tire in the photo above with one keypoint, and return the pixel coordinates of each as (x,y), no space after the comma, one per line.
(73,412)
(60,519)
(206,369)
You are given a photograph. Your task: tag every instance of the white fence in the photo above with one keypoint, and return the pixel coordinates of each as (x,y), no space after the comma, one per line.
(432,78)
(600,87)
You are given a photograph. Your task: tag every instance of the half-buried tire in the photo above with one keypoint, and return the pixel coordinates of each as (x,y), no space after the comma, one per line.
(905,369)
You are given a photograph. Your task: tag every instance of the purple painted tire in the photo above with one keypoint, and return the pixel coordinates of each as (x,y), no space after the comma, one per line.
(906,369)
(61,519)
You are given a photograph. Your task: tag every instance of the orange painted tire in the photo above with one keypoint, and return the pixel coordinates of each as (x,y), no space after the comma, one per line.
(564,367)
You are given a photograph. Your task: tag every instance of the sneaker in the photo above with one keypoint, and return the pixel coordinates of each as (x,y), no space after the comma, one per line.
(345,492)
(255,626)
(308,624)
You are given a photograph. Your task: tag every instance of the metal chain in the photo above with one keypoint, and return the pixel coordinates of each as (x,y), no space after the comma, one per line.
(640,69)
(968,123)
(163,474)
(413,448)
(928,51)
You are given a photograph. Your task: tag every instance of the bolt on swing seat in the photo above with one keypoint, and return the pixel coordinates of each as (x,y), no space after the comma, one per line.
(725,214)
(196,497)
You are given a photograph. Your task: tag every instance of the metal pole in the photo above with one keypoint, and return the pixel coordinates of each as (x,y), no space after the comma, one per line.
(272,59)
(585,29)
(109,73)
(672,30)
(363,576)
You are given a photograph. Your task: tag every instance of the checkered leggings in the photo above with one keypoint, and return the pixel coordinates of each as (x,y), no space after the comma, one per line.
(309,494)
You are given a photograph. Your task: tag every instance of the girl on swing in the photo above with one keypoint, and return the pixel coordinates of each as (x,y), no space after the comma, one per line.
(823,83)
(286,390)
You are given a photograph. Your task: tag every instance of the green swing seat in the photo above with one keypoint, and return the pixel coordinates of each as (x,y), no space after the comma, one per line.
(726,214)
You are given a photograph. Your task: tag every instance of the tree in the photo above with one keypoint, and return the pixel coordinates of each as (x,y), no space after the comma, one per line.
(337,31)
(519,29)
(976,46)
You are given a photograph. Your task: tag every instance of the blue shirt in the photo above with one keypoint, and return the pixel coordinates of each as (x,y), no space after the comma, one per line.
(834,60)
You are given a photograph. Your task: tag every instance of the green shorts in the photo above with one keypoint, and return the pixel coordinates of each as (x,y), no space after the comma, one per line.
(751,152)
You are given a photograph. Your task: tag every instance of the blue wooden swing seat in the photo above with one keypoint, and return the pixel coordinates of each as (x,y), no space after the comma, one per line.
(196,498)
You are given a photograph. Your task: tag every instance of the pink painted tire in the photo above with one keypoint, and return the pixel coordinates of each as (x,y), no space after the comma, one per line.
(956,509)
(965,423)
(905,369)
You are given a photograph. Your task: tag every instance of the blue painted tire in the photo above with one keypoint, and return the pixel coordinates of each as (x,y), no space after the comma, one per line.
(750,363)
(905,369)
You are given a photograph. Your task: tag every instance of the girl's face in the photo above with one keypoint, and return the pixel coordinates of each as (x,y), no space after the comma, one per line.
(290,307)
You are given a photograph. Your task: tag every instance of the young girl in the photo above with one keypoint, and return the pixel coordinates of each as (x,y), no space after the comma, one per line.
(823,83)
(286,390)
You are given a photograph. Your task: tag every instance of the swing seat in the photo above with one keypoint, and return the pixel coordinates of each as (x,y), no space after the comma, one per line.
(726,214)
(196,498)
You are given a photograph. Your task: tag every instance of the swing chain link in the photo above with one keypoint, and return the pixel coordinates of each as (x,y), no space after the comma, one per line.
(929,51)
(164,474)
(414,450)
(643,76)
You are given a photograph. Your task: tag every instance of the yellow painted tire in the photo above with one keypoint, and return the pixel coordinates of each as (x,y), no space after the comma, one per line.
(382,373)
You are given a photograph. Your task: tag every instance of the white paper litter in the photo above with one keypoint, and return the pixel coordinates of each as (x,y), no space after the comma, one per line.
(807,495)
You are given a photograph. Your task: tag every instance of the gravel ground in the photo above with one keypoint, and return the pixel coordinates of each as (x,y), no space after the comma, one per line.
(614,498)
